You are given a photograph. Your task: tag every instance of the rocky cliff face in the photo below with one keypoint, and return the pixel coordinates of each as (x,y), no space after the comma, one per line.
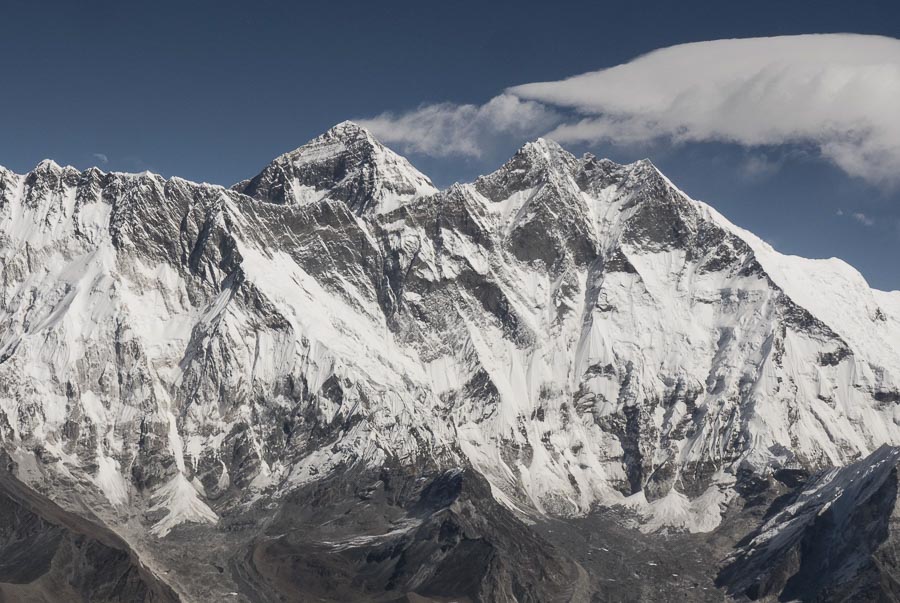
(834,539)
(47,553)
(180,359)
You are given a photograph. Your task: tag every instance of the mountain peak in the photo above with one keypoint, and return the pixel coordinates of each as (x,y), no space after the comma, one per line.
(349,130)
(643,166)
(536,162)
(344,163)
(47,164)
(339,139)
(547,150)
(544,145)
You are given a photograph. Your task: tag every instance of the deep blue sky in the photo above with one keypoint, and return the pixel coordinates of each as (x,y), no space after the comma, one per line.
(212,90)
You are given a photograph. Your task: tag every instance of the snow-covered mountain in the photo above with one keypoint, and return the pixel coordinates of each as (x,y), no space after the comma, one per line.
(346,164)
(180,359)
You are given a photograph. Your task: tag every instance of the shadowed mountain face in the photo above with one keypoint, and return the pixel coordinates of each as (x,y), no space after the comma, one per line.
(48,554)
(835,539)
(333,382)
(370,537)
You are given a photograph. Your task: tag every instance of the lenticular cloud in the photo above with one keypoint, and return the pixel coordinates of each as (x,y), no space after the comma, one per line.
(835,92)
(838,92)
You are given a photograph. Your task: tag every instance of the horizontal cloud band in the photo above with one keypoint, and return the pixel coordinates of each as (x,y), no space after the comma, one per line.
(836,92)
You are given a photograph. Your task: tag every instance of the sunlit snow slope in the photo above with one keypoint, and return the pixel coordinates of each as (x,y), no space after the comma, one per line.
(578,331)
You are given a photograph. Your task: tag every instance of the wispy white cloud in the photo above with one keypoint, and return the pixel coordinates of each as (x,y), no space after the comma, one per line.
(101,157)
(834,93)
(758,167)
(446,129)
(837,92)
(863,219)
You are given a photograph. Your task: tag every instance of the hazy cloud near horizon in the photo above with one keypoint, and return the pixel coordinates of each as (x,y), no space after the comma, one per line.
(834,92)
